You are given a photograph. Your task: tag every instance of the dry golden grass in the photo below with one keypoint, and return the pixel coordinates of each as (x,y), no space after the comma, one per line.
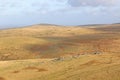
(1,78)
(49,41)
(86,67)
(60,53)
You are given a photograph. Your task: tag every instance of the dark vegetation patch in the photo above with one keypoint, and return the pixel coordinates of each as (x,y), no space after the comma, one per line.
(82,44)
(1,78)
(109,28)
(16,72)
(35,68)
(30,68)
(41,70)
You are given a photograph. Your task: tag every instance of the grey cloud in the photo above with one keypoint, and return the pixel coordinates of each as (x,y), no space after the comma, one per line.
(15,7)
(77,3)
(74,3)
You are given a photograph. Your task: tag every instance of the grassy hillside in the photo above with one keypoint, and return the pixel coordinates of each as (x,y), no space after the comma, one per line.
(49,41)
(85,67)
(52,52)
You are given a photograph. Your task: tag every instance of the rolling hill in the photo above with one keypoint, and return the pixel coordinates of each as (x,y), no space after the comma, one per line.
(50,41)
(51,52)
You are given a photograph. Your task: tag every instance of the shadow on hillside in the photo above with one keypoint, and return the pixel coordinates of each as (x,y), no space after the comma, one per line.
(1,78)
(115,28)
(80,44)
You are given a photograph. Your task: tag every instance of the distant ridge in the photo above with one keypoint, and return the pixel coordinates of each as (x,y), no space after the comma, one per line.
(116,23)
(93,25)
(47,25)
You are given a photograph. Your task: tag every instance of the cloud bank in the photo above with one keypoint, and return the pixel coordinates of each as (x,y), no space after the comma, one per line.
(9,7)
(65,12)
(14,7)
(78,3)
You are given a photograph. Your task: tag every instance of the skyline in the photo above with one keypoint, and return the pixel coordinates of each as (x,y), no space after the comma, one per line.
(61,12)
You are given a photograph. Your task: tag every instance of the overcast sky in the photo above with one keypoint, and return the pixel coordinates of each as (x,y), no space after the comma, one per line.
(61,12)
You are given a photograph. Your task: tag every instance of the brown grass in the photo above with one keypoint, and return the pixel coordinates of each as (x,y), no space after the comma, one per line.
(35,68)
(16,72)
(85,67)
(30,68)
(42,70)
(1,78)
(53,41)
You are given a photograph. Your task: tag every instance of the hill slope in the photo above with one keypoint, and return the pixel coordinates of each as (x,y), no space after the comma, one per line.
(49,41)
(70,53)
(85,67)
